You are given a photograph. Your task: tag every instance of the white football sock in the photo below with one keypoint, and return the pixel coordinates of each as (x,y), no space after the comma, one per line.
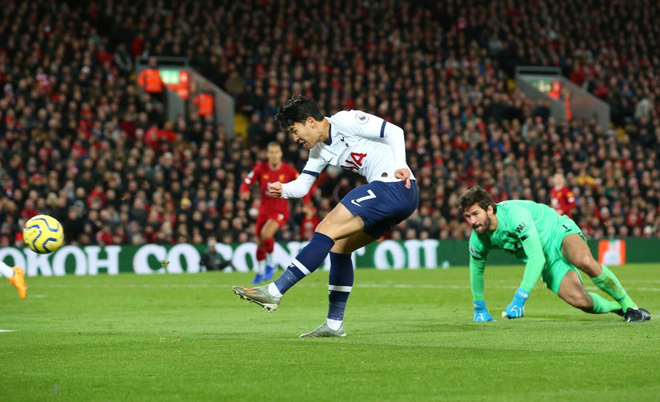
(261,267)
(269,259)
(6,270)
(273,290)
(333,324)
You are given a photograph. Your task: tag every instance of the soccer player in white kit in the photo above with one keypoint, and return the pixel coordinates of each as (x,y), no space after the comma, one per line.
(356,141)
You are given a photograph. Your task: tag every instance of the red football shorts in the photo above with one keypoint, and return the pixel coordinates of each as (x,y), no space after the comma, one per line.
(281,220)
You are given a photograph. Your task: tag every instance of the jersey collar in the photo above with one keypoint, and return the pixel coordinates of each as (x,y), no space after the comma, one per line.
(329,141)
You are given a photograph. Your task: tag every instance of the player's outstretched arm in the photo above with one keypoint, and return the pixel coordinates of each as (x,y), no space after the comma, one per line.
(297,188)
(477,267)
(531,242)
(300,187)
(251,178)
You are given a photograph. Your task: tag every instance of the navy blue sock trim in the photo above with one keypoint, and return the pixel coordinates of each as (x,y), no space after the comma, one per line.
(341,274)
(310,257)
(290,277)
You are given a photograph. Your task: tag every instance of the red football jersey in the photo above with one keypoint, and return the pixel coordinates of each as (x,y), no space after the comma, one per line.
(562,201)
(264,175)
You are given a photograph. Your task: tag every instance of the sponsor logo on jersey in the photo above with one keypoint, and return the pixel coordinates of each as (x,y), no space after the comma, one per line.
(355,162)
(521,227)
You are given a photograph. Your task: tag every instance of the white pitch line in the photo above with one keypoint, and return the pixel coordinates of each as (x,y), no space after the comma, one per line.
(645,289)
(7,330)
(646,282)
(408,286)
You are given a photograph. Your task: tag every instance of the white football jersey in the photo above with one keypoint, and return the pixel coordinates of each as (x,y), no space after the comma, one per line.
(358,142)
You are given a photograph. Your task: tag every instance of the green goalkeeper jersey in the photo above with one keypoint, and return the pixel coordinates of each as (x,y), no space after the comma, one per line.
(523,229)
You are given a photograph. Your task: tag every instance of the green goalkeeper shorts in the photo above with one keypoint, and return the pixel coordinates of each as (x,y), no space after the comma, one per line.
(556,266)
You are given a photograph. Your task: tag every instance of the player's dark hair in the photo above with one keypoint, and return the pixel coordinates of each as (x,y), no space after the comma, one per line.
(274,144)
(297,110)
(476,195)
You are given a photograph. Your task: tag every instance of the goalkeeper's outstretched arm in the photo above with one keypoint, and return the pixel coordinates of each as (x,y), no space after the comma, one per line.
(535,259)
(477,267)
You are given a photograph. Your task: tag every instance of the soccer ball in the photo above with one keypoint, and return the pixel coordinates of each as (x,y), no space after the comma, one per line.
(43,234)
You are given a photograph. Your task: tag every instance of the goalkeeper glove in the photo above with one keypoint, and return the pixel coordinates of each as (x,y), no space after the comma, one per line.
(481,312)
(516,308)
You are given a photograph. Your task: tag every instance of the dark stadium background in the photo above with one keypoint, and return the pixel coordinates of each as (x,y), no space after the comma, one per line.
(79,142)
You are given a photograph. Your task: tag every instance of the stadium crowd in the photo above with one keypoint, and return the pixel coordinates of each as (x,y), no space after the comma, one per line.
(79,142)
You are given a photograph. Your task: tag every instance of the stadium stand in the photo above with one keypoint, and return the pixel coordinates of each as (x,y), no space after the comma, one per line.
(78,142)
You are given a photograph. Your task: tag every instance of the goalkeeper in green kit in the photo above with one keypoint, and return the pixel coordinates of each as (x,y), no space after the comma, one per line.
(553,248)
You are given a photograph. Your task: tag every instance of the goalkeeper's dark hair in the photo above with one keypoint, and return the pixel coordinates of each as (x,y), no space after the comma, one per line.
(476,195)
(297,110)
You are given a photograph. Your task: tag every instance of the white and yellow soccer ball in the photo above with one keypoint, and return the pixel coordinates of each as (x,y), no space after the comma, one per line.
(43,234)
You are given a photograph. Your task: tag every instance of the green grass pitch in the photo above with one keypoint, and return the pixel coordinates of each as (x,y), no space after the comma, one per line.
(410,338)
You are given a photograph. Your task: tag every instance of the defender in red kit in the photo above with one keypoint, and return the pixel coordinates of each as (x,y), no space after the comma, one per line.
(561,197)
(273,212)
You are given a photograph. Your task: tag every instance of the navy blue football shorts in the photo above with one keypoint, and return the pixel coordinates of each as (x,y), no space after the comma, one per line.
(382,205)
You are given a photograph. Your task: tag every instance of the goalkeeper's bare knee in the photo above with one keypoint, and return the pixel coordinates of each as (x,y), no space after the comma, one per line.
(580,300)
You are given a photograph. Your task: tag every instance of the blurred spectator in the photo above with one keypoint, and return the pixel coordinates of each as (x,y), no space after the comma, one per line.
(212,260)
(149,79)
(561,197)
(203,101)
